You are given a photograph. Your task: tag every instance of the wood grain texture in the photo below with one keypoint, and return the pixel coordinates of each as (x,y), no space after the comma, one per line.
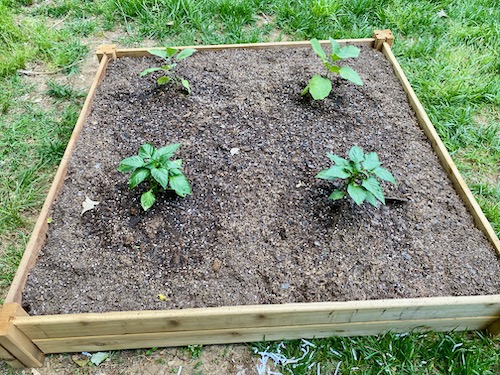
(445,158)
(16,346)
(224,336)
(38,235)
(298,314)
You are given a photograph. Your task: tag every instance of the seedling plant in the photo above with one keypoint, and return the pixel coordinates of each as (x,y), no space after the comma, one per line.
(154,166)
(171,56)
(320,87)
(360,175)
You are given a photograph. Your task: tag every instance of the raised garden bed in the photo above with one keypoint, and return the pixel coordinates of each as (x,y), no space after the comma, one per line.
(257,250)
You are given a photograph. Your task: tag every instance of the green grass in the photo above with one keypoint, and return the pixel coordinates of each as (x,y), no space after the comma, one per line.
(452,62)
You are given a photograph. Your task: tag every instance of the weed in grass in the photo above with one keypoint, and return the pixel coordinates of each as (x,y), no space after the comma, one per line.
(62,92)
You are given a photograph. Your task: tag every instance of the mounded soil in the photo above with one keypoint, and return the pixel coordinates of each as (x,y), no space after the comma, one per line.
(258,228)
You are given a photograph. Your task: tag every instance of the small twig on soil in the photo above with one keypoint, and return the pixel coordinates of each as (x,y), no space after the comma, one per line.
(35,73)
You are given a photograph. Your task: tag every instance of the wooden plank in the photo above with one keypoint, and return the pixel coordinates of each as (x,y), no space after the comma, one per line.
(133,322)
(38,236)
(6,356)
(140,52)
(381,37)
(226,336)
(18,346)
(445,158)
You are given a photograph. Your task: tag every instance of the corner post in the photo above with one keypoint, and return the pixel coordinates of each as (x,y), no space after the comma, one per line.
(107,49)
(15,347)
(381,37)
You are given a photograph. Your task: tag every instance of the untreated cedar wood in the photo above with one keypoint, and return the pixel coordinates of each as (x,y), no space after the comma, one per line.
(115,323)
(140,52)
(164,339)
(16,345)
(38,236)
(445,158)
(381,37)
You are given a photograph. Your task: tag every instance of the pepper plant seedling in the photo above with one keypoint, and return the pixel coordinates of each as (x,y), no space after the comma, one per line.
(360,175)
(171,56)
(155,166)
(319,86)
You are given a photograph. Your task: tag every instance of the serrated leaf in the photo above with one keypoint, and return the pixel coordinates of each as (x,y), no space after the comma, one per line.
(356,154)
(160,175)
(98,358)
(146,151)
(371,184)
(348,51)
(185,83)
(163,80)
(167,151)
(370,198)
(384,174)
(171,51)
(147,200)
(171,164)
(316,46)
(158,52)
(185,53)
(337,159)
(319,87)
(336,195)
(149,70)
(137,177)
(131,163)
(349,74)
(333,172)
(180,184)
(357,193)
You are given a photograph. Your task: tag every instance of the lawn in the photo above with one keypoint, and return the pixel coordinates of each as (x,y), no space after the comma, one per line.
(448,49)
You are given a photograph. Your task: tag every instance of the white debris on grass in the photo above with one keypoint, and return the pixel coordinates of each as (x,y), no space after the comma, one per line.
(179,371)
(278,359)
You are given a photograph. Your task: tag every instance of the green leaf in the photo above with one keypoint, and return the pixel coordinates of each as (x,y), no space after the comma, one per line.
(349,74)
(146,151)
(174,164)
(166,152)
(336,195)
(384,174)
(147,200)
(370,198)
(338,160)
(335,46)
(370,165)
(158,52)
(333,172)
(348,51)
(185,53)
(180,184)
(371,156)
(333,68)
(131,163)
(98,358)
(356,192)
(163,80)
(171,51)
(356,154)
(160,175)
(316,46)
(319,87)
(175,171)
(137,177)
(149,70)
(371,184)
(185,83)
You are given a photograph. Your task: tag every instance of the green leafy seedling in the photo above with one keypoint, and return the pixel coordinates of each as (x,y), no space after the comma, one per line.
(154,165)
(360,175)
(171,56)
(320,87)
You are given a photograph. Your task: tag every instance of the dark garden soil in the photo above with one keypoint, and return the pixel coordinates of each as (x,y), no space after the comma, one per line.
(258,228)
